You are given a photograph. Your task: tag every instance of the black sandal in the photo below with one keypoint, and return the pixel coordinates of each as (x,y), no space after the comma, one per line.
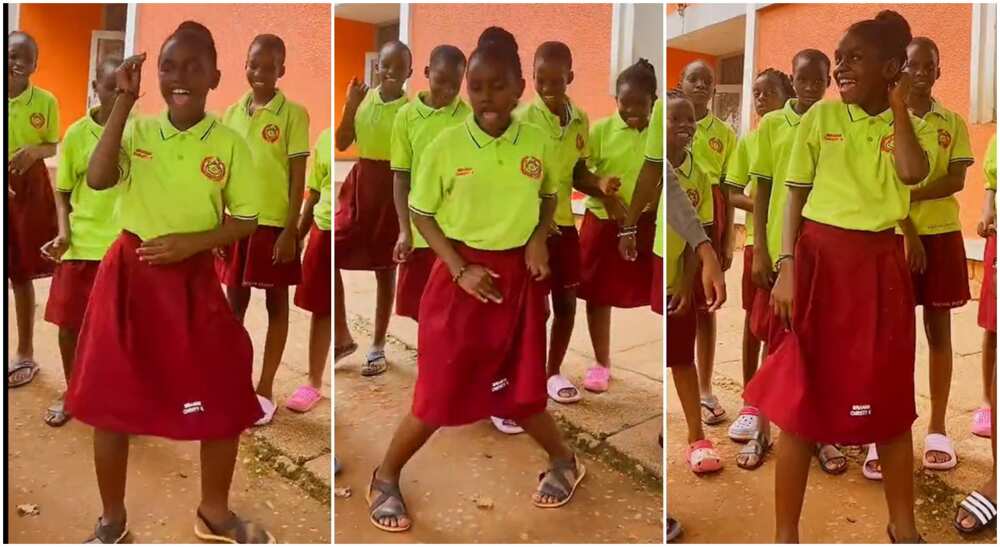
(108,533)
(553,482)
(824,459)
(980,508)
(892,538)
(388,503)
(234,530)
(673,529)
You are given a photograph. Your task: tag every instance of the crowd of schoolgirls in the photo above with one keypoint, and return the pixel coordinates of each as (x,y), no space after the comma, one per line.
(150,216)
(470,202)
(852,222)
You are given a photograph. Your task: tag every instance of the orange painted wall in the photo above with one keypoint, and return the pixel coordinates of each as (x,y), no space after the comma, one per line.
(305,28)
(63,35)
(784,29)
(677,59)
(352,39)
(585,28)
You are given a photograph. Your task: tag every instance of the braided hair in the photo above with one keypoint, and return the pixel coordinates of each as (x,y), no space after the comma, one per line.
(498,45)
(641,74)
(784,82)
(198,35)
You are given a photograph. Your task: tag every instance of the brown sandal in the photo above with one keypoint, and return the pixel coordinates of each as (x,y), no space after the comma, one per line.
(234,530)
(387,503)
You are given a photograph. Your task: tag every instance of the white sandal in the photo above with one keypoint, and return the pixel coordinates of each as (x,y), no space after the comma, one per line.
(936,442)
(557,383)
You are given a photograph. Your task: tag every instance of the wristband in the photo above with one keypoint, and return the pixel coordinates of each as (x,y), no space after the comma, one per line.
(782,258)
(456,277)
(627,231)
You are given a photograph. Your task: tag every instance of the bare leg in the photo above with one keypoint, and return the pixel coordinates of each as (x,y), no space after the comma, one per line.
(319,348)
(274,342)
(111,465)
(24,308)
(599,326)
(896,459)
(686,383)
(751,351)
(790,477)
(989,364)
(410,435)
(386,280)
(67,350)
(937,325)
(705,351)
(239,301)
(563,319)
(341,333)
(543,429)
(218,459)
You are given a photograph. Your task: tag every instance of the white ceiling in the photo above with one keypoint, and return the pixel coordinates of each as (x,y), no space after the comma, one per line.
(368,13)
(721,39)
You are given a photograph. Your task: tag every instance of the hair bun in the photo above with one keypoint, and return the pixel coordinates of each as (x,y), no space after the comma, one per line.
(896,25)
(497,37)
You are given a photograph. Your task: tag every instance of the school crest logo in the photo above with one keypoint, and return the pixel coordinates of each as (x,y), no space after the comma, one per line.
(715,144)
(270,133)
(579,141)
(37,120)
(944,138)
(213,168)
(888,143)
(531,167)
(694,197)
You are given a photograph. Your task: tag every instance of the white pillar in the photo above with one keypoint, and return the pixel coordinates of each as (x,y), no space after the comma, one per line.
(749,67)
(131,28)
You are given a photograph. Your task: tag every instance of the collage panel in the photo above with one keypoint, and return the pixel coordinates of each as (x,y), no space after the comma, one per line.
(168,191)
(831,327)
(494,235)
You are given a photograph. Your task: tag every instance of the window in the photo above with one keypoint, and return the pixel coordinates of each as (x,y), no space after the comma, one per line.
(636,32)
(982,80)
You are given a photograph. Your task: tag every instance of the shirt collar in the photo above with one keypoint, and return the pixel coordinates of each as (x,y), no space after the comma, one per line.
(273,106)
(482,139)
(95,128)
(856,114)
(552,119)
(200,129)
(686,168)
(426,111)
(25,96)
(791,116)
(377,98)
(707,122)
(937,109)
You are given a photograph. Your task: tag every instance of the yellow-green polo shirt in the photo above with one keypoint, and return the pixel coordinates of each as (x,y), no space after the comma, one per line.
(846,157)
(616,150)
(373,125)
(416,125)
(775,137)
(175,182)
(569,145)
(319,180)
(698,187)
(93,221)
(485,191)
(275,134)
(990,165)
(32,118)
(738,173)
(713,144)
(940,216)
(654,152)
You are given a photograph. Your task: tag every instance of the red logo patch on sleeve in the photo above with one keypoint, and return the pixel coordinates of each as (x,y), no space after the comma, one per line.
(715,144)
(944,138)
(270,133)
(833,137)
(213,168)
(37,120)
(531,167)
(888,143)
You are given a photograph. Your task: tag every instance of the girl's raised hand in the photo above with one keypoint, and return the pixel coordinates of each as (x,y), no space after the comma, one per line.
(899,90)
(478,282)
(356,91)
(129,74)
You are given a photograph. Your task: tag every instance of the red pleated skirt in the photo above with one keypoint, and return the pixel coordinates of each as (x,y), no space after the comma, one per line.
(945,282)
(680,338)
(31,223)
(606,279)
(477,360)
(988,295)
(656,285)
(160,353)
(564,258)
(250,262)
(412,279)
(313,293)
(845,372)
(748,291)
(365,223)
(764,325)
(718,218)
(69,293)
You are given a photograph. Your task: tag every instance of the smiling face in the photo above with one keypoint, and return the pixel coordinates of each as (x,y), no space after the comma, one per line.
(862,76)
(264,66)
(493,93)
(552,78)
(634,105)
(394,68)
(445,81)
(22,59)
(680,124)
(698,83)
(810,78)
(768,94)
(922,64)
(186,76)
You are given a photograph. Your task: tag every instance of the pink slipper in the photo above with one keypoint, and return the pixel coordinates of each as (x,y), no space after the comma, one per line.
(597,379)
(702,457)
(304,399)
(982,423)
